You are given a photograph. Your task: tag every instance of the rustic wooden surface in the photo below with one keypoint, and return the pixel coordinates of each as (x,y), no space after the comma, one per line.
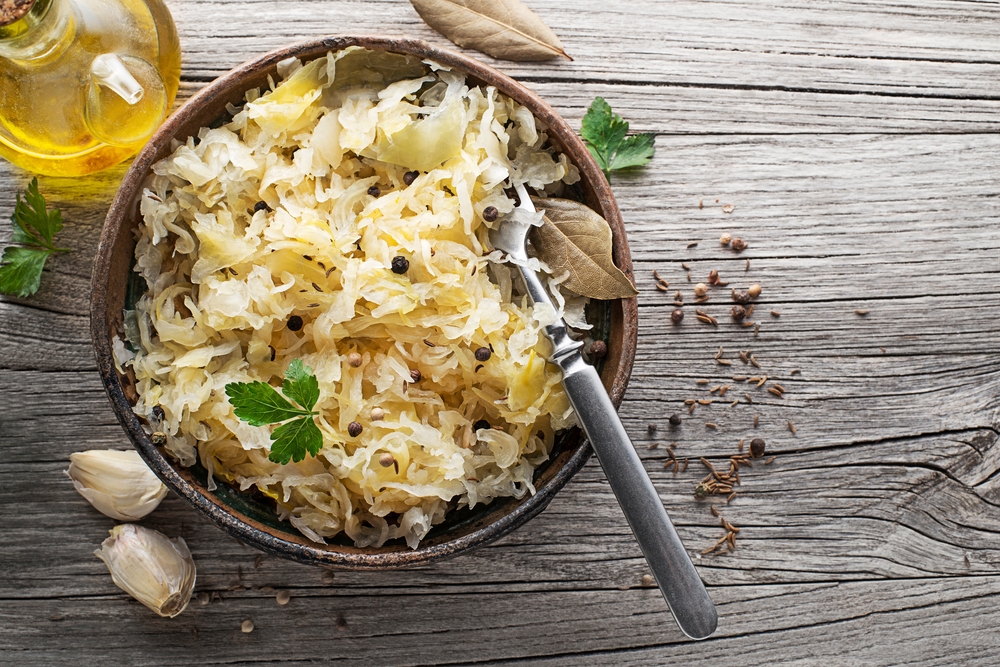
(860,145)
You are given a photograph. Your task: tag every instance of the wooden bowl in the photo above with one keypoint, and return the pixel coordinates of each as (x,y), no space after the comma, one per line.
(244,516)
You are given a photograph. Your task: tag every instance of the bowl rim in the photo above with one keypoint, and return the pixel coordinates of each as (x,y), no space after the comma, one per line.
(246,529)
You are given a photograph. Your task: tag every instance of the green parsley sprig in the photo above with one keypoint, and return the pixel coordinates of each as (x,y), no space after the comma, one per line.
(259,404)
(34,235)
(605,132)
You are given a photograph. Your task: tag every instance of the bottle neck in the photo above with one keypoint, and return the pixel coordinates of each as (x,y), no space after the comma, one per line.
(41,34)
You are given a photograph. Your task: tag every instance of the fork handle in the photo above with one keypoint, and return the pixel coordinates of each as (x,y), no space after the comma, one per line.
(672,568)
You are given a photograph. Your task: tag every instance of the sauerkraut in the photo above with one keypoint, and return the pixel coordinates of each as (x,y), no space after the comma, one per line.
(295,210)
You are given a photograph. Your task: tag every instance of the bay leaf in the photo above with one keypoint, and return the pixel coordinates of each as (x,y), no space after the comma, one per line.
(504,29)
(575,238)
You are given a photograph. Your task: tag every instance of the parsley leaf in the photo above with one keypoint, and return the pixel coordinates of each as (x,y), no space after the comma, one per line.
(34,233)
(301,385)
(259,404)
(605,133)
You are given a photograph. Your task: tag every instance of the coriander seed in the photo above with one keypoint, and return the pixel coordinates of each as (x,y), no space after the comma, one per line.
(598,349)
(739,245)
(483,354)
(294,323)
(354,428)
(247,626)
(354,360)
(701,289)
(738,312)
(377,414)
(386,459)
(400,265)
(490,213)
(725,239)
(374,191)
(754,291)
(283,598)
(675,419)
(757,448)
(677,316)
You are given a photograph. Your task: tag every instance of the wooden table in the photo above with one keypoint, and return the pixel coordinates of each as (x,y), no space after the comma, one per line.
(859,143)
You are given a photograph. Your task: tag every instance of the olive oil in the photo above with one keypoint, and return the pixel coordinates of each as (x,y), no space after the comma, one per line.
(84,83)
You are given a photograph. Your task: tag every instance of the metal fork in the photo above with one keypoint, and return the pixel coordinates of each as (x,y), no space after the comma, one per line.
(671,566)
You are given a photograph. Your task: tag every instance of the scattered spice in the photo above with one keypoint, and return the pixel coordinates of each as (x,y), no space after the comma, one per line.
(775,392)
(738,312)
(411,176)
(704,401)
(713,277)
(158,438)
(283,598)
(791,427)
(754,291)
(692,244)
(677,316)
(861,312)
(294,323)
(377,414)
(794,371)
(701,289)
(415,375)
(386,459)
(741,296)
(480,425)
(728,208)
(354,360)
(484,353)
(354,428)
(757,447)
(724,362)
(756,420)
(711,425)
(374,191)
(725,239)
(747,267)
(775,313)
(747,396)
(675,420)
(490,213)
(647,580)
(739,245)
(247,626)
(770,460)
(597,350)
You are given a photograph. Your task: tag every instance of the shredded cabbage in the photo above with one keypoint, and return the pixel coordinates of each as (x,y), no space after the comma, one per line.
(274,214)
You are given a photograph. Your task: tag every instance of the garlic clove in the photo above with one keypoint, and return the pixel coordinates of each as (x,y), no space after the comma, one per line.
(119,484)
(156,571)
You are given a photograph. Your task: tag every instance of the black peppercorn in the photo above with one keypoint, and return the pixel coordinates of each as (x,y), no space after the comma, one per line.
(374,191)
(158,413)
(677,316)
(415,375)
(261,206)
(410,176)
(757,448)
(738,313)
(490,213)
(483,354)
(354,428)
(742,296)
(675,420)
(294,323)
(400,264)
(481,424)
(598,349)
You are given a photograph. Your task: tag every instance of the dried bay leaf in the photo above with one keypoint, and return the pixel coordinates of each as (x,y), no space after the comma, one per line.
(504,29)
(576,239)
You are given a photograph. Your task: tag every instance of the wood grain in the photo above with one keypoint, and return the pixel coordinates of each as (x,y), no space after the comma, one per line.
(860,145)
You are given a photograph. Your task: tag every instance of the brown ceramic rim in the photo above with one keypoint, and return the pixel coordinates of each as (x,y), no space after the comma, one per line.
(108,298)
